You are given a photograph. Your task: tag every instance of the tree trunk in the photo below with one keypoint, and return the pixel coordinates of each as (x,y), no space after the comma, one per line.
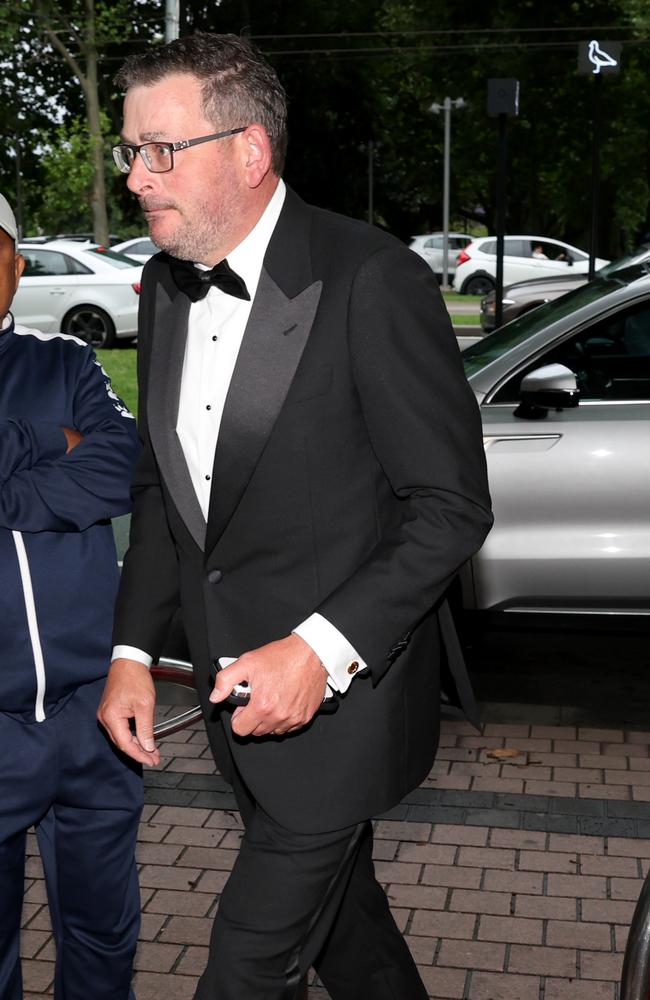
(98,196)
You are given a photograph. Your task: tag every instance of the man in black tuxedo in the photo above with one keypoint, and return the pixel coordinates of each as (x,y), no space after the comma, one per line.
(312,479)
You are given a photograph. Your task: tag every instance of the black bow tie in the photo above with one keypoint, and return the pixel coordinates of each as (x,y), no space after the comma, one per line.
(196,284)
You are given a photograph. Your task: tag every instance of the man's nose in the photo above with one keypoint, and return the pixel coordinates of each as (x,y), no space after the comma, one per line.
(139,178)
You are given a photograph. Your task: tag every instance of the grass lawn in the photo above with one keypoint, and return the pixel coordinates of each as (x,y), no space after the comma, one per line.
(457,297)
(465,319)
(119,363)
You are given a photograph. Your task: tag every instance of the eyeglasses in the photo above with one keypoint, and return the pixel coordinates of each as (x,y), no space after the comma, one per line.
(158,157)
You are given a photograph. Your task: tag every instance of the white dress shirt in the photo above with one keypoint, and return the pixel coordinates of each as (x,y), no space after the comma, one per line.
(215,332)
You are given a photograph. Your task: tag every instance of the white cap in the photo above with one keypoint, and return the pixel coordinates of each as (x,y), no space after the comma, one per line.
(7,218)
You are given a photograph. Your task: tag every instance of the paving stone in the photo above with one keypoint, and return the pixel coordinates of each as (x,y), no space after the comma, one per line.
(501,986)
(601,965)
(606,827)
(186,930)
(523,803)
(154,986)
(578,807)
(422,948)
(548,861)
(212,882)
(578,934)
(191,904)
(608,911)
(553,824)
(516,930)
(541,960)
(546,907)
(193,836)
(385,850)
(434,814)
(169,797)
(151,833)
(581,886)
(444,833)
(452,875)
(431,854)
(208,857)
(166,877)
(526,840)
(442,984)
(520,882)
(582,845)
(443,924)
(214,800)
(395,871)
(37,976)
(608,865)
(471,901)
(155,957)
(32,942)
(422,897)
(157,854)
(418,832)
(486,857)
(150,925)
(193,962)
(562,989)
(472,955)
(625,888)
(493,817)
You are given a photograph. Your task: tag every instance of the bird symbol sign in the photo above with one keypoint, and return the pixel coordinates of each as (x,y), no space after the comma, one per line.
(599,58)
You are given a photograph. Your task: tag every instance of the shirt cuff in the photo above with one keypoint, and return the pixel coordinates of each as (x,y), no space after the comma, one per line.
(131,653)
(340,659)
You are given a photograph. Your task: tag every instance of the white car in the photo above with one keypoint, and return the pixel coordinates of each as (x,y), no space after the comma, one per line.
(429,247)
(78,288)
(525,257)
(140,248)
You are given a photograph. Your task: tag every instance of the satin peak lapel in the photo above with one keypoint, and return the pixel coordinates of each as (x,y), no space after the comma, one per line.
(273,343)
(165,370)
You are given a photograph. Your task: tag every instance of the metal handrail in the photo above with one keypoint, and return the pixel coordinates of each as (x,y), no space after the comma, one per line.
(635,980)
(180,672)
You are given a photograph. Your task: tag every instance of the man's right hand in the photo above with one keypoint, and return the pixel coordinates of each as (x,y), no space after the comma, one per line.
(72,437)
(130,694)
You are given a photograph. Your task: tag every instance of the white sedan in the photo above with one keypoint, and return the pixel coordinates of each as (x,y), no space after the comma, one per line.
(80,289)
(140,248)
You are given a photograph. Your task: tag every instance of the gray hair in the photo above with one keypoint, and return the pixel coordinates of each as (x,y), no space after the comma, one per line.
(239,87)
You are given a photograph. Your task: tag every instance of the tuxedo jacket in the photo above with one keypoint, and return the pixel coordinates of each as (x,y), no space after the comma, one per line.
(349,479)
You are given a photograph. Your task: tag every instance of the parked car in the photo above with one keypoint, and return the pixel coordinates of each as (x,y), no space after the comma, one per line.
(140,248)
(78,288)
(70,238)
(429,246)
(524,257)
(526,295)
(564,393)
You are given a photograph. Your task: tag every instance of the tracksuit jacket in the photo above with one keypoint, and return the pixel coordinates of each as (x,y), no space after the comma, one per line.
(58,566)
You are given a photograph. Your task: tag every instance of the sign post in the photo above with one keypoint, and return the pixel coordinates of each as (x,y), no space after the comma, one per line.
(502,102)
(597,59)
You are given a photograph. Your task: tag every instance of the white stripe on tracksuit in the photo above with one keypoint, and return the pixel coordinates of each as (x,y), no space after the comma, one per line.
(32,623)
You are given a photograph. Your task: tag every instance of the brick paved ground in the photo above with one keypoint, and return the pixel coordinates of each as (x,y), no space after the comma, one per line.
(512,879)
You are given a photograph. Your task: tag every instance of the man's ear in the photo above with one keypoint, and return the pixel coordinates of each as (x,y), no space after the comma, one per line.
(19,267)
(256,153)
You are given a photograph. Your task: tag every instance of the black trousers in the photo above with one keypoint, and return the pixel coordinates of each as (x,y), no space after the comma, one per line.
(295,900)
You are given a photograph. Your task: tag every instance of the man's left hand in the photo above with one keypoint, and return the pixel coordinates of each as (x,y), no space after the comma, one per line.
(287,682)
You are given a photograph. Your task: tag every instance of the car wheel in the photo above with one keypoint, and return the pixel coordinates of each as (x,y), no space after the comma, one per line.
(91,324)
(480,284)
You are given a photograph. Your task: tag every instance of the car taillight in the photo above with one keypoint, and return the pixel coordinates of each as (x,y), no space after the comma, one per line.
(136,286)
(462,257)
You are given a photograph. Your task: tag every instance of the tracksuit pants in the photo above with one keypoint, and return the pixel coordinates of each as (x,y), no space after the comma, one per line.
(65,777)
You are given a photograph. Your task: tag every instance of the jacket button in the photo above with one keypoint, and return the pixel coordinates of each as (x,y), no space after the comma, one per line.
(215,576)
(354,666)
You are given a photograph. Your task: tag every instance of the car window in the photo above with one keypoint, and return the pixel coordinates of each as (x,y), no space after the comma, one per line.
(516,248)
(459,242)
(496,344)
(113,258)
(489,247)
(434,243)
(610,359)
(42,263)
(76,267)
(143,246)
(551,251)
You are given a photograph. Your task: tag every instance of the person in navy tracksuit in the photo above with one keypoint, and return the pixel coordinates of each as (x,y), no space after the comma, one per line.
(67,449)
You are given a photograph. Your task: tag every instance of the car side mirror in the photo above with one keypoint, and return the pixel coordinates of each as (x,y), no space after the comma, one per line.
(552,387)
